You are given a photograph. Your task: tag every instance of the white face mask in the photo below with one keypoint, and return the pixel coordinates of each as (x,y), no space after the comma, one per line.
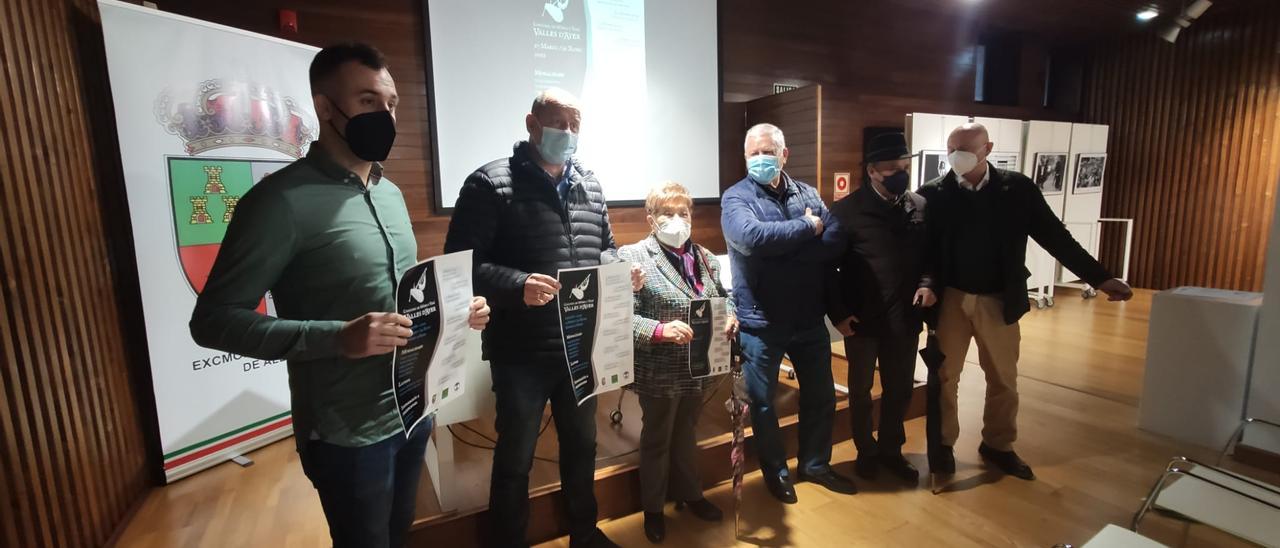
(674,231)
(962,162)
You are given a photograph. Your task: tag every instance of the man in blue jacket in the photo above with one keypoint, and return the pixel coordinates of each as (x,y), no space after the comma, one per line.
(781,239)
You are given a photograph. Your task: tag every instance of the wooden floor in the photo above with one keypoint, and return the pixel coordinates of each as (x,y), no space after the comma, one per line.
(1081,377)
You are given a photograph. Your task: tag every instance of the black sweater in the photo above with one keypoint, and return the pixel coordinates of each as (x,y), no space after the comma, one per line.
(1019,211)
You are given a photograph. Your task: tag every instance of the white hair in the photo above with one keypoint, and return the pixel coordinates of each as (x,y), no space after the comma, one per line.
(765,129)
(553,97)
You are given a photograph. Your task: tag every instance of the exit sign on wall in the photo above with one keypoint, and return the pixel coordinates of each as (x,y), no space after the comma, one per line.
(780,88)
(841,186)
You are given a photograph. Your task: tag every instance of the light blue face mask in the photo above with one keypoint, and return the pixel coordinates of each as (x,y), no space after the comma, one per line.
(557,145)
(763,168)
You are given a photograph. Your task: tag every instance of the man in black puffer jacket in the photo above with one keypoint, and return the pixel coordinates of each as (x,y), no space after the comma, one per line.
(524,218)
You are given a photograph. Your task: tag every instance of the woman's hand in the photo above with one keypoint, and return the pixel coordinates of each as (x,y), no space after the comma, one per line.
(676,332)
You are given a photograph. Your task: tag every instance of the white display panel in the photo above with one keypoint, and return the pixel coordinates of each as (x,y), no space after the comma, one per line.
(1007,140)
(1047,143)
(1081,211)
(646,72)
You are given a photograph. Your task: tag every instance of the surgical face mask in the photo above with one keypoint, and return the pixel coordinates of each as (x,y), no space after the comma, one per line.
(897,183)
(673,231)
(763,168)
(557,145)
(962,162)
(368,135)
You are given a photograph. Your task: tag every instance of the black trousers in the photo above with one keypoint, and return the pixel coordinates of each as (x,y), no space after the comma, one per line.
(522,391)
(897,357)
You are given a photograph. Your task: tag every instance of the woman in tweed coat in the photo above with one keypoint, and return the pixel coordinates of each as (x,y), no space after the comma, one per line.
(676,270)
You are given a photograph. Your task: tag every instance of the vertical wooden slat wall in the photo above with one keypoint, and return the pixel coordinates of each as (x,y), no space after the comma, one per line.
(1194,147)
(73,459)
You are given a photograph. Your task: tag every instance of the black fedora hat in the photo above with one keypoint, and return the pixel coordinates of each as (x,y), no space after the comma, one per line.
(887,147)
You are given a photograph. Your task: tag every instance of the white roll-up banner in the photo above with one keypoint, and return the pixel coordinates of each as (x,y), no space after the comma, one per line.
(203,112)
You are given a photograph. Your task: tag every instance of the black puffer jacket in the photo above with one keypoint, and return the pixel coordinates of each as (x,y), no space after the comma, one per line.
(512,219)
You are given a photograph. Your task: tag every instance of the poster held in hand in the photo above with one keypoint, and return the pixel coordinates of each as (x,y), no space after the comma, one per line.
(709,350)
(428,371)
(595,305)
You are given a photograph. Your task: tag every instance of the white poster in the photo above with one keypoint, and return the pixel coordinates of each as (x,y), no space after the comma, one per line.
(429,371)
(203,113)
(596,305)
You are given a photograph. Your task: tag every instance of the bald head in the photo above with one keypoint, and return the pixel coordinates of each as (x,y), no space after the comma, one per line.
(970,137)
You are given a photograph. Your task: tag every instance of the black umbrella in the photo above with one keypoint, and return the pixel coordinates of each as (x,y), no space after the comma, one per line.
(933,356)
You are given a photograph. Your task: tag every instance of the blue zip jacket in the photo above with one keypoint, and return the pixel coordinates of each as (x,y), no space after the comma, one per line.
(778,264)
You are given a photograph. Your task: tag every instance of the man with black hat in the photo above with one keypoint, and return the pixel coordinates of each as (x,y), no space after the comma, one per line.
(875,294)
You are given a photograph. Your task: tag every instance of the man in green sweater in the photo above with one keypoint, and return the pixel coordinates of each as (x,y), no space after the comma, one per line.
(330,237)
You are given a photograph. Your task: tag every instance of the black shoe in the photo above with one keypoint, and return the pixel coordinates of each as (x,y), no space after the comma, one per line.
(832,481)
(901,467)
(597,539)
(942,461)
(780,488)
(655,527)
(1007,461)
(703,509)
(868,468)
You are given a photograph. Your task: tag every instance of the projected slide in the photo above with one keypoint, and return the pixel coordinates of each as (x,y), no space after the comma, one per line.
(645,72)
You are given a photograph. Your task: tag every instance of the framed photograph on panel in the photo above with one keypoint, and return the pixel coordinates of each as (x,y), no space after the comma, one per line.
(1050,172)
(1089,171)
(933,164)
(1004,160)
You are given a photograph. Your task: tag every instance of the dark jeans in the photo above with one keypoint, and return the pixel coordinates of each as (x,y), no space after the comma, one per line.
(810,353)
(522,391)
(367,492)
(897,357)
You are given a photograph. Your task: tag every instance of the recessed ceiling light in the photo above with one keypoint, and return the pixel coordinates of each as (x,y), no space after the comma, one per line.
(1148,14)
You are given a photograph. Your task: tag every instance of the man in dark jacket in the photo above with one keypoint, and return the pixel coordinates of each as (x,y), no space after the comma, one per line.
(874,300)
(524,218)
(979,220)
(781,240)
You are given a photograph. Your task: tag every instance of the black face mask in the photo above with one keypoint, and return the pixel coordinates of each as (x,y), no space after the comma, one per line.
(897,183)
(369,135)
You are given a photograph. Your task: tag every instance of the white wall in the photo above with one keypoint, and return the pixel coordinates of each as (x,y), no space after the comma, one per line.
(1264,387)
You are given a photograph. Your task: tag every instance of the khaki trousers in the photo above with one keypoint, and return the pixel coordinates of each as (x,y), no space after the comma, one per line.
(966,316)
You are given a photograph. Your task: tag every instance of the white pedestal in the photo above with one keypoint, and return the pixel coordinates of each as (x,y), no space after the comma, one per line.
(1199,355)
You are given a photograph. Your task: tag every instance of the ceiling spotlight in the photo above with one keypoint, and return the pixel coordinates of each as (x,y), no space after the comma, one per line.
(1184,19)
(1148,14)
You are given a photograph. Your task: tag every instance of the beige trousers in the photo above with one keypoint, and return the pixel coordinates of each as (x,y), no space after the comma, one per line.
(966,316)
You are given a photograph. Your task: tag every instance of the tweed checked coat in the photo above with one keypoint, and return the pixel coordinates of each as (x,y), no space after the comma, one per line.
(662,369)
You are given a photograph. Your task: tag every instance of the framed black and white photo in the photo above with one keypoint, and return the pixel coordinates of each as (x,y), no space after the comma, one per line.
(1050,172)
(1004,160)
(933,164)
(1089,171)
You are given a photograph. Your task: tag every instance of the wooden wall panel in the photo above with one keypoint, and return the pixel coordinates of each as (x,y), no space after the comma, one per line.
(1194,147)
(798,113)
(876,61)
(73,456)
